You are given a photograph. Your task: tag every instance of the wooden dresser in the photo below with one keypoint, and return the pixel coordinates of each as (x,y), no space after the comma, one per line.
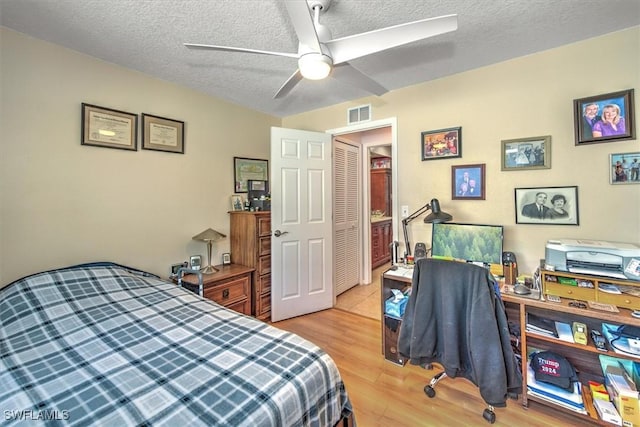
(251,246)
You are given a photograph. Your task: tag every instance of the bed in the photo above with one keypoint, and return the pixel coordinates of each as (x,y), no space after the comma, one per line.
(108,345)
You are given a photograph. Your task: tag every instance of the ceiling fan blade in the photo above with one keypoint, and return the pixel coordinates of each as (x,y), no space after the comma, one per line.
(239,49)
(352,47)
(350,75)
(303,24)
(288,85)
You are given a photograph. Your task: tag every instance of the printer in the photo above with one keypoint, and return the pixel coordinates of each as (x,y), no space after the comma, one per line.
(595,257)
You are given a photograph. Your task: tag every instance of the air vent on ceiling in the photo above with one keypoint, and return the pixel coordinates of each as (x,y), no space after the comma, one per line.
(359,114)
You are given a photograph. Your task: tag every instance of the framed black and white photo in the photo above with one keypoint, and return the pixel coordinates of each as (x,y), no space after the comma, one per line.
(226,258)
(604,118)
(526,153)
(624,168)
(547,205)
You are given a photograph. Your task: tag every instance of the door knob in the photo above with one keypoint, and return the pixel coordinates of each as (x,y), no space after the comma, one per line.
(279,233)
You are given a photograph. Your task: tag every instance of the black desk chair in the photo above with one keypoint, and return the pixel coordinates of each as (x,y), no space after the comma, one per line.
(455,317)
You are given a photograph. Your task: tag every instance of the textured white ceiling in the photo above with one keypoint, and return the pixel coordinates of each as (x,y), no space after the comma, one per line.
(148,36)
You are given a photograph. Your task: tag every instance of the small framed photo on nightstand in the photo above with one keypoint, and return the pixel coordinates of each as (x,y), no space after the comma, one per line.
(226,258)
(196,262)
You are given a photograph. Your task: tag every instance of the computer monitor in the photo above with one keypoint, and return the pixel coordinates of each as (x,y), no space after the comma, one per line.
(469,242)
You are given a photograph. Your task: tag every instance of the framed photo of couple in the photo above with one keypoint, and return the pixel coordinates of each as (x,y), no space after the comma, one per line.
(547,205)
(604,118)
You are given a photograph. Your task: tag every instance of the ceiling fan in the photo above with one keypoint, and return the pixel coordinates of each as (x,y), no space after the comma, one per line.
(319,55)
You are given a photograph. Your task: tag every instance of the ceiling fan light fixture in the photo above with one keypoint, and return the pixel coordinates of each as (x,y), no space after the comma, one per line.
(314,66)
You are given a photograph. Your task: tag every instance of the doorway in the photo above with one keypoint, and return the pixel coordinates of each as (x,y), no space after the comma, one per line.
(375,139)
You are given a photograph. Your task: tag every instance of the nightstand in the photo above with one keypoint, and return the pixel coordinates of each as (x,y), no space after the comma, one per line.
(230,286)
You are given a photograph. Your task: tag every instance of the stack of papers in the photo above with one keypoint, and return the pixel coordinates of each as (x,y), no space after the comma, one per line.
(540,325)
(550,393)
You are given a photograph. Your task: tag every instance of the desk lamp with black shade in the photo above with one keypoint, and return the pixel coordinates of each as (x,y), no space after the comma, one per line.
(436,215)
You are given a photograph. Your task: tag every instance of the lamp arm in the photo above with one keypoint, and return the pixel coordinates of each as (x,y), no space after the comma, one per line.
(406,221)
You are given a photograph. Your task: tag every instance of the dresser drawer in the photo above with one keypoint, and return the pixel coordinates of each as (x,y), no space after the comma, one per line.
(264,226)
(264,265)
(263,284)
(568,291)
(263,305)
(264,246)
(620,300)
(229,291)
(243,307)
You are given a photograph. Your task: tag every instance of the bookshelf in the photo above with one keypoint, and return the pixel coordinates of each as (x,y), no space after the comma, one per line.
(585,358)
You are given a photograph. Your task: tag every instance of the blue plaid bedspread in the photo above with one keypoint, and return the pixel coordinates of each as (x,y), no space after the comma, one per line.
(103,345)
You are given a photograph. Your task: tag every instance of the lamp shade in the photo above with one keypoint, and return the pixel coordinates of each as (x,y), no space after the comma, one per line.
(436,214)
(209,235)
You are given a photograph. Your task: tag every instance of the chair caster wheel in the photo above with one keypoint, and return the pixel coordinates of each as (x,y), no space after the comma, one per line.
(489,415)
(429,391)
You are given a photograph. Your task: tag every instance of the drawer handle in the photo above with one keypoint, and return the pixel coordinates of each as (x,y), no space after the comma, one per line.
(225,293)
(569,292)
(627,301)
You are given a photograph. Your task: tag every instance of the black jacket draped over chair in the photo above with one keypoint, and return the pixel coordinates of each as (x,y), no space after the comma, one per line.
(455,317)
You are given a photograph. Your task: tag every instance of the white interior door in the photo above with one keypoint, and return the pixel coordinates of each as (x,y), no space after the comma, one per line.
(301,206)
(346,243)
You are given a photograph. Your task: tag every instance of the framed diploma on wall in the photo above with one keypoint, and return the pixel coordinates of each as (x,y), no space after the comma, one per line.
(105,127)
(162,134)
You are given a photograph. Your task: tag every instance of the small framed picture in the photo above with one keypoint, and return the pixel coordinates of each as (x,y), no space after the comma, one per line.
(526,153)
(547,205)
(226,258)
(604,118)
(196,262)
(237,204)
(442,143)
(624,168)
(467,182)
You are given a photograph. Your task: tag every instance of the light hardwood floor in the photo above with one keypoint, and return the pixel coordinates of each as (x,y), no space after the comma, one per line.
(384,394)
(364,299)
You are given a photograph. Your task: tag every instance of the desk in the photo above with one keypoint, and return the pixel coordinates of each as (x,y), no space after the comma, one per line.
(392,279)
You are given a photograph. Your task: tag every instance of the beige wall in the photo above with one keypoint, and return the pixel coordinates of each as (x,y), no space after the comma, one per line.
(525,97)
(62,203)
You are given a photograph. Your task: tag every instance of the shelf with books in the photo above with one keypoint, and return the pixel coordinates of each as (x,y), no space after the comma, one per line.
(585,358)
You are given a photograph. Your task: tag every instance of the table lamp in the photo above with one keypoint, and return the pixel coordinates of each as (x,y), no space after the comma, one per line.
(209,236)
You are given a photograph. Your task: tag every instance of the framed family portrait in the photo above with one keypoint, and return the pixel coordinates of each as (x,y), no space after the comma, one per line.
(526,153)
(162,134)
(105,127)
(547,205)
(248,169)
(468,182)
(624,168)
(604,118)
(442,143)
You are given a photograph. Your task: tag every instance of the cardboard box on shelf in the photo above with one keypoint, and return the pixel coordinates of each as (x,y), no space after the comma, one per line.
(624,395)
